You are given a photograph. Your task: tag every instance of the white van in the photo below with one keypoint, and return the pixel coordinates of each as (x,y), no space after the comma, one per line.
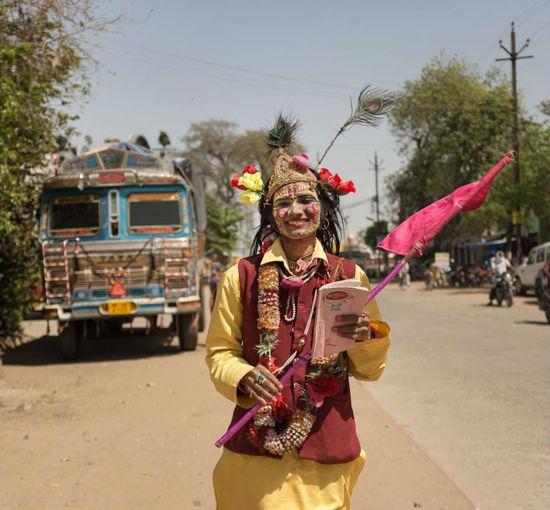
(528,270)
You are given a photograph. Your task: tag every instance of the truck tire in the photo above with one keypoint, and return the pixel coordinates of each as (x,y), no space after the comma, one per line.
(70,340)
(187,329)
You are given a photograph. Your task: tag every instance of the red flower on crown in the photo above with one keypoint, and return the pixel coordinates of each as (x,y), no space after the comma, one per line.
(234,181)
(335,182)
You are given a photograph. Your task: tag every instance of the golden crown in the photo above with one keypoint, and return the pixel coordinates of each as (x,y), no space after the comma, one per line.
(287,170)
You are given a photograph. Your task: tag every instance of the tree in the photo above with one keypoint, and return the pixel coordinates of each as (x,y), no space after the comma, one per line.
(223,228)
(42,66)
(375,232)
(451,125)
(219,151)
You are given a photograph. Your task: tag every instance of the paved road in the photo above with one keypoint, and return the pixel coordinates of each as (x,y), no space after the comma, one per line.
(131,425)
(471,385)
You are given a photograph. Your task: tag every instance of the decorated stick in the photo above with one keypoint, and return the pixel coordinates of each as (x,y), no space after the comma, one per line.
(390,276)
(300,362)
(410,237)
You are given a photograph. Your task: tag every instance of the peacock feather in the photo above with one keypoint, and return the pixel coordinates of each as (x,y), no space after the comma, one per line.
(282,134)
(372,105)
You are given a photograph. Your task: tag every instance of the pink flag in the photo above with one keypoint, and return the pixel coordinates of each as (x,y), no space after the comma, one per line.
(420,228)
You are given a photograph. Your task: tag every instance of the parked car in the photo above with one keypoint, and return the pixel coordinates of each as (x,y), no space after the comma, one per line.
(527,272)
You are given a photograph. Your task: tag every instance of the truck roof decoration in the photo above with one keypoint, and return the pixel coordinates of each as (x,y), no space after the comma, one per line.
(119,164)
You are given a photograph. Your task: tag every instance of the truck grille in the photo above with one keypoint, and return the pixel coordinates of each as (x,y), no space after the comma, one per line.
(77,274)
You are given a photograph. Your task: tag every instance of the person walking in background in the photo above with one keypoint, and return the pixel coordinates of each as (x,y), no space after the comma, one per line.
(404,277)
(300,451)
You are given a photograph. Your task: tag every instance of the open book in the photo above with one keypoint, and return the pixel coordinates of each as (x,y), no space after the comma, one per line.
(345,297)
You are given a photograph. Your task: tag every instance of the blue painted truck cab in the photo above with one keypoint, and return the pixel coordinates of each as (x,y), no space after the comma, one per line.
(122,235)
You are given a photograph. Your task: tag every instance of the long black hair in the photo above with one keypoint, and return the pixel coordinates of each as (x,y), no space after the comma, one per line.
(330,230)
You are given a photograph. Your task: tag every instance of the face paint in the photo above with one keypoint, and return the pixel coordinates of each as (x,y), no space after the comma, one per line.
(313,211)
(296,212)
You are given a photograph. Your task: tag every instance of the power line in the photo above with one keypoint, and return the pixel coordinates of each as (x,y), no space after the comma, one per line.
(541,3)
(162,63)
(540,29)
(233,67)
(527,12)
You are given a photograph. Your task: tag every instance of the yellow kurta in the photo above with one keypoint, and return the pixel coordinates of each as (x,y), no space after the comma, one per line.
(265,483)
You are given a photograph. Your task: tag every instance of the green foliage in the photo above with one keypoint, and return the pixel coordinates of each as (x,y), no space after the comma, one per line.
(218,151)
(452,125)
(223,228)
(41,64)
(375,233)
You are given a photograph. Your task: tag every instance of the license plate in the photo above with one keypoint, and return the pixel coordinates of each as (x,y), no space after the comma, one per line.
(118,307)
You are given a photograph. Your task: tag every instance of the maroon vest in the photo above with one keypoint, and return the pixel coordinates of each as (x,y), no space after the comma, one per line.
(333,438)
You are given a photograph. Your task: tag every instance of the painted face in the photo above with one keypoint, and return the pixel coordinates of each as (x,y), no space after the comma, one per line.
(296,211)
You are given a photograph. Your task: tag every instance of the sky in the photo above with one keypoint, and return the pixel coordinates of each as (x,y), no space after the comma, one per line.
(172,63)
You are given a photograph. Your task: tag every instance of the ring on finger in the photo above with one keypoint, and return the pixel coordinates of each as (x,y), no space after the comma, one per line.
(260,378)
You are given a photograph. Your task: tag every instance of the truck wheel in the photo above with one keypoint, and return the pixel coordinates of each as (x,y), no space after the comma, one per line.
(188,331)
(70,340)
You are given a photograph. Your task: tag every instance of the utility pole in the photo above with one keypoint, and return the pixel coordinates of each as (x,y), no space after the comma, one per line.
(513,56)
(377,198)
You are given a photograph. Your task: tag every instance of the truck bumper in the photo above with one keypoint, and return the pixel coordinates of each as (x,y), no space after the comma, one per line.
(143,307)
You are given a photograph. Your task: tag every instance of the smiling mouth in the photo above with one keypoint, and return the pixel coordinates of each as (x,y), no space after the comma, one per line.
(297,223)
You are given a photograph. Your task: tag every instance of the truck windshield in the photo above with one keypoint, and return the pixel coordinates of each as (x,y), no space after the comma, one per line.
(74,215)
(154,212)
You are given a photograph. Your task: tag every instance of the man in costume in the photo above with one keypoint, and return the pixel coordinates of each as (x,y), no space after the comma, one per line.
(300,451)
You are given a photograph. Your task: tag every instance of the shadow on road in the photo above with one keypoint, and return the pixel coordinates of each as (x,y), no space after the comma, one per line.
(126,345)
(536,323)
(468,290)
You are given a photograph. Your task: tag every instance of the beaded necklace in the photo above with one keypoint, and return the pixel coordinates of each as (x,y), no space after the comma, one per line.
(276,427)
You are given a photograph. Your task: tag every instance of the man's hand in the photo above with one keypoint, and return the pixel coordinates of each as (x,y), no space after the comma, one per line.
(261,385)
(356,327)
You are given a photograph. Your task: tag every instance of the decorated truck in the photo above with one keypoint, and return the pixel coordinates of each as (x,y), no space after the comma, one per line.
(122,236)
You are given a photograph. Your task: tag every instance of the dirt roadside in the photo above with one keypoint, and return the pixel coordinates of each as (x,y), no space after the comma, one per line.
(132,425)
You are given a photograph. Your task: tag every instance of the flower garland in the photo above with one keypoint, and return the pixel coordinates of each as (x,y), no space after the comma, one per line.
(250,182)
(275,427)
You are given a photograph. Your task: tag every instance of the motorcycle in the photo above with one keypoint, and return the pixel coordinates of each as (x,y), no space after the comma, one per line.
(543,296)
(503,289)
